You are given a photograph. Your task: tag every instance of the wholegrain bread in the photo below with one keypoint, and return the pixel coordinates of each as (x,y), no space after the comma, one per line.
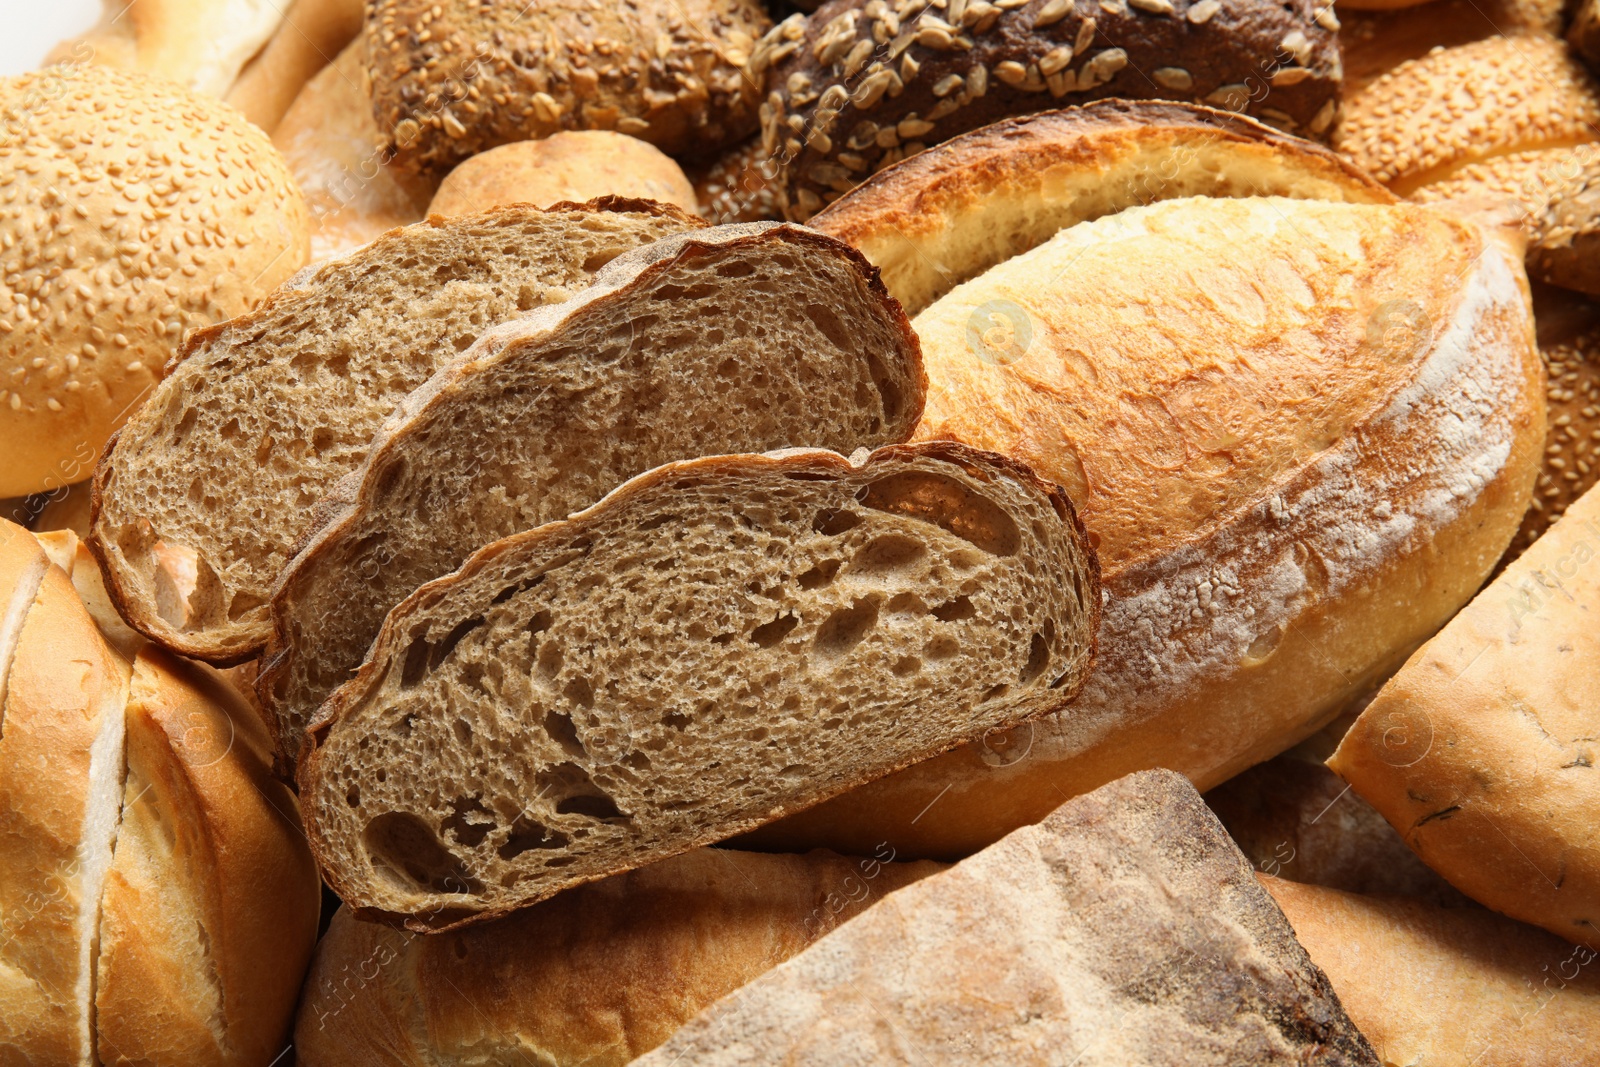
(479,75)
(312,33)
(61,772)
(1432,985)
(1124,929)
(1302,432)
(945,216)
(594,977)
(716,643)
(135,210)
(264,413)
(1480,751)
(574,165)
(653,363)
(856,87)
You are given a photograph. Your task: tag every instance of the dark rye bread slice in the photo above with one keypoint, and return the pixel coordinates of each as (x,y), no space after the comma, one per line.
(222,467)
(716,643)
(858,86)
(737,338)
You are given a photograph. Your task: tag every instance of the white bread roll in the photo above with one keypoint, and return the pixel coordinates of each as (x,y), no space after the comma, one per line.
(574,165)
(1302,432)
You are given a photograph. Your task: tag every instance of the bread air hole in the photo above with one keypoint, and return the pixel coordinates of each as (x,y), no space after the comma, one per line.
(405,851)
(948,504)
(846,628)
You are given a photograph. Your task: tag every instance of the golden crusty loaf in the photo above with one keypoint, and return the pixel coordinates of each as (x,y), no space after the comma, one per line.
(132,211)
(1124,929)
(594,977)
(1430,985)
(652,363)
(267,411)
(333,149)
(313,32)
(452,78)
(1302,433)
(61,732)
(210,907)
(714,644)
(945,216)
(1480,752)
(72,556)
(855,87)
(574,165)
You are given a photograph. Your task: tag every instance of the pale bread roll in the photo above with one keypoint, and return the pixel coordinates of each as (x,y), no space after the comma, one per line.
(1481,751)
(313,32)
(570,166)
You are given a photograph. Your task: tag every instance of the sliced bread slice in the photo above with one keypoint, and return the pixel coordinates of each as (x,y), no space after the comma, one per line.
(715,644)
(265,412)
(738,338)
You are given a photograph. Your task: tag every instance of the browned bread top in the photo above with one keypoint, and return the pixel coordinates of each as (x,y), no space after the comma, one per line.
(452,78)
(857,86)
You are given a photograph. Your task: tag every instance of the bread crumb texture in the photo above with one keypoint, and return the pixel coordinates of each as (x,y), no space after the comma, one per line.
(131,211)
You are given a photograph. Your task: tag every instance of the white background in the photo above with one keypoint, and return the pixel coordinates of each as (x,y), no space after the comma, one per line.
(32,27)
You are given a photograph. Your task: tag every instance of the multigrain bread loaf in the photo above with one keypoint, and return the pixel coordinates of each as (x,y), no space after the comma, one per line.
(452,78)
(264,413)
(1302,432)
(594,977)
(652,363)
(1431,985)
(716,643)
(1124,929)
(573,165)
(336,155)
(135,210)
(945,216)
(312,33)
(855,87)
(1480,751)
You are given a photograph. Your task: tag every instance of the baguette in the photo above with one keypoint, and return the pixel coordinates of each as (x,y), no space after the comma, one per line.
(1431,985)
(858,86)
(1479,751)
(1124,929)
(651,364)
(591,978)
(715,643)
(264,413)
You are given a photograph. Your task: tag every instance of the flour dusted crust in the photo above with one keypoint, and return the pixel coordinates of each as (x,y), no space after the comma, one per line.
(1235,628)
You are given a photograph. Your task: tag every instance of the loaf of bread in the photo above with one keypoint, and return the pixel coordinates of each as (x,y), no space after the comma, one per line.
(454,77)
(136,210)
(572,165)
(1373,42)
(336,155)
(1124,929)
(1431,985)
(738,186)
(716,643)
(311,34)
(591,978)
(266,412)
(858,86)
(1302,433)
(652,363)
(1479,751)
(1584,32)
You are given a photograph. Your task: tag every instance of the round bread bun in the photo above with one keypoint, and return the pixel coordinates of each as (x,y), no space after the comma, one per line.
(574,166)
(131,210)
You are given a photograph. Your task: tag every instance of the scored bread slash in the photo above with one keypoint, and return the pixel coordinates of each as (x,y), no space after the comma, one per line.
(741,338)
(715,643)
(222,468)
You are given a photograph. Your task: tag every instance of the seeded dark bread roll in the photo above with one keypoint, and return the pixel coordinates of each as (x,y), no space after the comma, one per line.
(655,362)
(945,216)
(265,412)
(451,78)
(859,86)
(714,644)
(592,978)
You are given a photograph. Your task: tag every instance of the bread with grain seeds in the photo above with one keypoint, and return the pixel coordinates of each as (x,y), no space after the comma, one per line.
(716,643)
(264,413)
(732,339)
(856,87)
(451,78)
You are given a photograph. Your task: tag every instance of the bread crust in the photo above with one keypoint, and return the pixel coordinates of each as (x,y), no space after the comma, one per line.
(897,81)
(1479,751)
(328,822)
(312,32)
(929,222)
